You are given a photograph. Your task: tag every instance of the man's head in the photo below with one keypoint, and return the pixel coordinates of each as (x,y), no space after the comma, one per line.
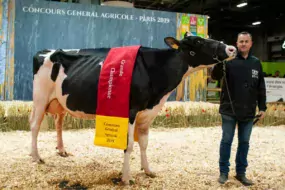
(244,42)
(200,51)
(277,73)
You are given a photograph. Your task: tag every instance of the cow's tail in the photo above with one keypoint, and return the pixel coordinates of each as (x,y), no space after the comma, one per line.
(56,59)
(55,71)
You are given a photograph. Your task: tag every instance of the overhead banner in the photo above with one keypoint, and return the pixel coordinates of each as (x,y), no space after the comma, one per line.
(52,25)
(27,26)
(275,89)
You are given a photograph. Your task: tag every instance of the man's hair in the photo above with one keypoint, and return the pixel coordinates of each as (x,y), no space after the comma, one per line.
(245,33)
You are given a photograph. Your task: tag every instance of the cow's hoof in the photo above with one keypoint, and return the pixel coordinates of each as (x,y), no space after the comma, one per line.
(120,181)
(151,174)
(131,182)
(39,161)
(116,181)
(36,158)
(63,154)
(128,182)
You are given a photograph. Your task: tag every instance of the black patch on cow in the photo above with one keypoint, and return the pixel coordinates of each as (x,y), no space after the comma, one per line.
(55,71)
(82,70)
(156,72)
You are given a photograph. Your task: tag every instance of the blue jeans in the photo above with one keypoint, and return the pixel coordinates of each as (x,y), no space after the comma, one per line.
(244,132)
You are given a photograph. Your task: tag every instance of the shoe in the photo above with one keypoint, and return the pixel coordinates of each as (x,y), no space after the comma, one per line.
(244,180)
(223,178)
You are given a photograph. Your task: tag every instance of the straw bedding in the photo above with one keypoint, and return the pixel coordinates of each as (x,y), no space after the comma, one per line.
(182,158)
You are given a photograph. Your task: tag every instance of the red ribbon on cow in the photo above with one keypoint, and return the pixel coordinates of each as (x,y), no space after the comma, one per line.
(112,114)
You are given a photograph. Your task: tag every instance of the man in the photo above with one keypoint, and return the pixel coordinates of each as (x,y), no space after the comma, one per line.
(243,88)
(277,74)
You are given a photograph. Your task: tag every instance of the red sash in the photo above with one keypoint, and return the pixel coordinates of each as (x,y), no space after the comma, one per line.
(112,114)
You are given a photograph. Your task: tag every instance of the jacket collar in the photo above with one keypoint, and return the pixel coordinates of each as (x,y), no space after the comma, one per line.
(240,56)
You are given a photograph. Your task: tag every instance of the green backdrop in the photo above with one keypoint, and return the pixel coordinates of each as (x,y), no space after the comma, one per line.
(271,67)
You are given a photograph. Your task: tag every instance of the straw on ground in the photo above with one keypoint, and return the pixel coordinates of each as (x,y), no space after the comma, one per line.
(183,159)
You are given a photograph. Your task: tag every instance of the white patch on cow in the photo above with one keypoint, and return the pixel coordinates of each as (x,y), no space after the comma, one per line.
(66,50)
(144,118)
(52,96)
(47,54)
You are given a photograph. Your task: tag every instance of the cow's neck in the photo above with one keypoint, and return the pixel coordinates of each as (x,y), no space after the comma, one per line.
(166,70)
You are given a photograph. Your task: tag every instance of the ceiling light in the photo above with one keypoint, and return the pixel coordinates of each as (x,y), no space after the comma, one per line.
(241,5)
(256,23)
(208,17)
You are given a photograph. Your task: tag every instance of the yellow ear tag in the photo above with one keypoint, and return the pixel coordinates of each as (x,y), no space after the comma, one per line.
(174,46)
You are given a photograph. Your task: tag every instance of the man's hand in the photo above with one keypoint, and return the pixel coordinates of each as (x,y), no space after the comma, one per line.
(262,115)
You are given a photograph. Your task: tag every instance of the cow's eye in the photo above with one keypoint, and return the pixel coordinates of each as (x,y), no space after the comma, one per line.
(192,53)
(199,42)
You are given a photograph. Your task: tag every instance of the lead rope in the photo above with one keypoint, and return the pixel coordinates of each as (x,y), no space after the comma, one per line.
(226,83)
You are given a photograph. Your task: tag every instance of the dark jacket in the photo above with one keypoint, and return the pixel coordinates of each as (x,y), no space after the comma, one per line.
(246,86)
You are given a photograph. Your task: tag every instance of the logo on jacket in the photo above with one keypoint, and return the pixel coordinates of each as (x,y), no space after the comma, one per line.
(254,73)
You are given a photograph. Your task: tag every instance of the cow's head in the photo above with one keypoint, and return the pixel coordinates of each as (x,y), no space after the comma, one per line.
(198,51)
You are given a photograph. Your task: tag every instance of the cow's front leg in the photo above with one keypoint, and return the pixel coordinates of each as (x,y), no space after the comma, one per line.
(126,178)
(143,142)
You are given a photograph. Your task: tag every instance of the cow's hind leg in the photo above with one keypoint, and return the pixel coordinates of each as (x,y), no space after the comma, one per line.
(143,143)
(58,113)
(36,118)
(126,178)
(58,118)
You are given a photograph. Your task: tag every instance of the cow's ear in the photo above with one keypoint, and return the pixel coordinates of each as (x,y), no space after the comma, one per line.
(172,42)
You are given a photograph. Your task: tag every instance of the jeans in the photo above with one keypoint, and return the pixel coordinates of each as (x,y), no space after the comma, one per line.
(244,132)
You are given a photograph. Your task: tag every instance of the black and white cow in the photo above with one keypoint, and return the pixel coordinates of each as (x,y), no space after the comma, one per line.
(65,81)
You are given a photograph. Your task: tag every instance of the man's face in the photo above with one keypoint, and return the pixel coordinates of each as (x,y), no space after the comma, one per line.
(244,43)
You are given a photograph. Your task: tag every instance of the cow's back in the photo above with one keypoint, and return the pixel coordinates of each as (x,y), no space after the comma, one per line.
(80,85)
(81,70)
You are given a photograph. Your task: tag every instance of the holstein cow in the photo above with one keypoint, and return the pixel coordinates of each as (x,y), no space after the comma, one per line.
(66,81)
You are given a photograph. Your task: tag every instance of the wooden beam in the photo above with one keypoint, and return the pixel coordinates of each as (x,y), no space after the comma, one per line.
(214,89)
